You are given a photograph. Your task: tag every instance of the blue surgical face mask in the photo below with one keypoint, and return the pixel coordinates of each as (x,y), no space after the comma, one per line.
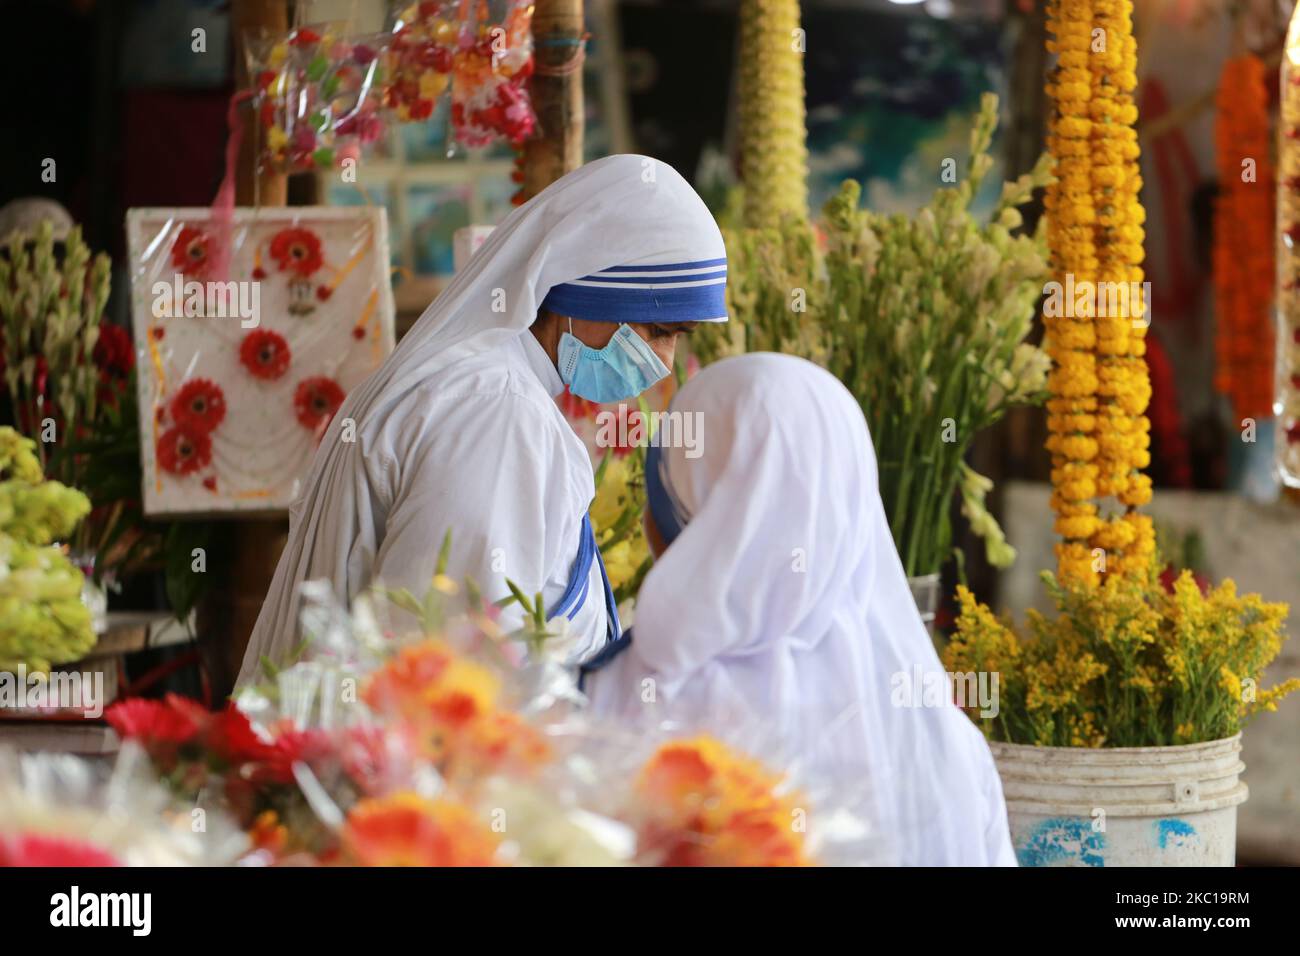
(623,369)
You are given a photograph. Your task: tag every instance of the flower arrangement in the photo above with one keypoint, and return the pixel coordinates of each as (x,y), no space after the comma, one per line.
(42,618)
(925,321)
(1126,663)
(460,747)
(1243,240)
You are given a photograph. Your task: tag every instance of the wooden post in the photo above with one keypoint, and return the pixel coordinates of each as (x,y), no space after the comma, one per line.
(246,550)
(556,90)
(251,18)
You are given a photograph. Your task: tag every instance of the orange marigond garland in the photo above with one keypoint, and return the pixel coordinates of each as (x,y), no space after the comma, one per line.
(1124,386)
(1071,421)
(1098,435)
(1243,240)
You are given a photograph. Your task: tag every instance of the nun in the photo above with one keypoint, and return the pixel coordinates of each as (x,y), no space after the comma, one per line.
(777,602)
(586,286)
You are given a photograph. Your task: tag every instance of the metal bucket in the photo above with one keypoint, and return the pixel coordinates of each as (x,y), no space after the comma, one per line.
(1123,806)
(925,592)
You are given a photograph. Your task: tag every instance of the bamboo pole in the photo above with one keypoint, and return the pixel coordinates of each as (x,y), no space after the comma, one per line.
(556,91)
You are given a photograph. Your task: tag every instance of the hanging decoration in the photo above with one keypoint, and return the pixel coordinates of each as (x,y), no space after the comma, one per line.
(484,62)
(1098,432)
(322,97)
(1288,263)
(1243,240)
(318,96)
(240,376)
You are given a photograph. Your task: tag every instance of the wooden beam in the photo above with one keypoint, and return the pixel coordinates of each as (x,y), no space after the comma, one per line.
(556,91)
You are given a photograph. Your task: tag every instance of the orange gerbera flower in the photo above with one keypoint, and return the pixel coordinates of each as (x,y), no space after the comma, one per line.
(409,830)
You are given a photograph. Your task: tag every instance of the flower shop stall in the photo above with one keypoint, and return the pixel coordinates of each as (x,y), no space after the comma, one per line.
(163,417)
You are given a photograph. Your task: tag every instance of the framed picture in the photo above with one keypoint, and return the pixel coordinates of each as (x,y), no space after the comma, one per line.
(249,335)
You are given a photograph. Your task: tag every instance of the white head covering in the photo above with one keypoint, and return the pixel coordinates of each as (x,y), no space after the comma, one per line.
(783,601)
(622,211)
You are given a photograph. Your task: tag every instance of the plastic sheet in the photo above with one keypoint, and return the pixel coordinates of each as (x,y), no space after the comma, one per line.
(241,373)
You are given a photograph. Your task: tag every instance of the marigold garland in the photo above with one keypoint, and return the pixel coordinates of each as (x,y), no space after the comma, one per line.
(1099,435)
(1243,240)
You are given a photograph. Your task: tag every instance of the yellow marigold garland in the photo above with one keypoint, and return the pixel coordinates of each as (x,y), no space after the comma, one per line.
(1099,435)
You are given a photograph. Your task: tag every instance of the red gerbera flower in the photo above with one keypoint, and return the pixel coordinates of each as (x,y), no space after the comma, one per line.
(35,849)
(296,250)
(152,721)
(190,251)
(264,353)
(200,405)
(316,400)
(183,450)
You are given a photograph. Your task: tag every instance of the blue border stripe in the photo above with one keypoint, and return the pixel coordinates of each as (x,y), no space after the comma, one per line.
(658,280)
(670,266)
(700,303)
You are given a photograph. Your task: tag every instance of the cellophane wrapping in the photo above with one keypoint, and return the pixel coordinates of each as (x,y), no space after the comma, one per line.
(250,330)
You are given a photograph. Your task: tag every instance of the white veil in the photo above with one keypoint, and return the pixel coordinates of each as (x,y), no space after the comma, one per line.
(783,603)
(618,211)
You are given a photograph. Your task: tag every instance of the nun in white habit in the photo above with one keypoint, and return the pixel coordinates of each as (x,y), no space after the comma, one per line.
(781,603)
(581,286)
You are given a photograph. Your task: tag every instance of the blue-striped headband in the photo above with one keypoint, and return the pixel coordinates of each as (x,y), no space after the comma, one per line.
(664,293)
(669,514)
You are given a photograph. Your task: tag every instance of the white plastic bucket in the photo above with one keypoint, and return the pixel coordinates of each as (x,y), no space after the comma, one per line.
(1123,806)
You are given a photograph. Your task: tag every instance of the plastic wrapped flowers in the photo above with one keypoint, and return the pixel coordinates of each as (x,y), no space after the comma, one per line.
(411,734)
(59,810)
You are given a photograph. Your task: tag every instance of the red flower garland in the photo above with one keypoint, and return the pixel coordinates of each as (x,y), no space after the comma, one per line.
(265,354)
(297,250)
(316,400)
(1243,241)
(200,405)
(183,450)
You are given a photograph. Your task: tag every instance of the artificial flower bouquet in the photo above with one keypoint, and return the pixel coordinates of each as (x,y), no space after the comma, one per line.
(1125,663)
